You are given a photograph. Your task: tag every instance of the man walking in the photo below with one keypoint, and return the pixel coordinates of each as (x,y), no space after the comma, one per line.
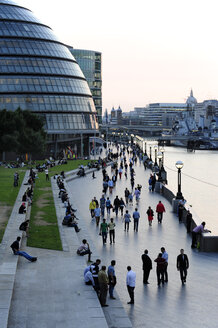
(102,205)
(182,265)
(111,227)
(103,231)
(103,285)
(160,209)
(97,212)
(136,217)
(112,279)
(116,205)
(46,175)
(165,257)
(146,266)
(127,220)
(130,283)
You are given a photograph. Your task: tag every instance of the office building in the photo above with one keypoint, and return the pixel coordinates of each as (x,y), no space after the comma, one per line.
(91,64)
(38,73)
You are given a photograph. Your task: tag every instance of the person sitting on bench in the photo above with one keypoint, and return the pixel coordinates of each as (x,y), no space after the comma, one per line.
(22,208)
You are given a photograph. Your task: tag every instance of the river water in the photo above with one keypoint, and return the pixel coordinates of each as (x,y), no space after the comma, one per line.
(199,181)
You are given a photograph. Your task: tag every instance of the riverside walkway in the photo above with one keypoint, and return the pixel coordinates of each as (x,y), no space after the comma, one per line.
(174,305)
(51,292)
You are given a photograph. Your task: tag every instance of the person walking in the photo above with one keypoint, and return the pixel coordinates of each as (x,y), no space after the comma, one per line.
(165,257)
(16,250)
(103,231)
(182,265)
(136,217)
(127,220)
(120,172)
(150,214)
(137,195)
(102,205)
(122,205)
(197,231)
(92,207)
(110,185)
(153,182)
(112,279)
(103,285)
(116,205)
(111,227)
(108,205)
(160,209)
(160,268)
(126,193)
(130,283)
(146,266)
(46,174)
(97,213)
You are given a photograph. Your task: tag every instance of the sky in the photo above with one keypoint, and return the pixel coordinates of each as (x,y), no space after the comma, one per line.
(152,51)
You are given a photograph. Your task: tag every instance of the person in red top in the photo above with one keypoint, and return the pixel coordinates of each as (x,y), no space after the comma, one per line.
(160,209)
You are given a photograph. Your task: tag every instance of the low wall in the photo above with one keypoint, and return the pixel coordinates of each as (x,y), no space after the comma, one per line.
(208,242)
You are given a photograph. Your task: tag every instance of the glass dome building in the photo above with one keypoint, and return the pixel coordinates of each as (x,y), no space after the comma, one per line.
(38,73)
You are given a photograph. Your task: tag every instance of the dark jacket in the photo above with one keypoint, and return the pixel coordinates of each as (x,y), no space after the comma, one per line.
(182,261)
(147,264)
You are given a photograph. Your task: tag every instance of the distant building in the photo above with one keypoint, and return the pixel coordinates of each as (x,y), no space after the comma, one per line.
(205,112)
(116,116)
(90,63)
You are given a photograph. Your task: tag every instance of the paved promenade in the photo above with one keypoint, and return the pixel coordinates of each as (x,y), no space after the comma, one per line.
(51,293)
(192,305)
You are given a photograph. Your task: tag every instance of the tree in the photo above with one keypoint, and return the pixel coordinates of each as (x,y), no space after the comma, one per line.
(21,132)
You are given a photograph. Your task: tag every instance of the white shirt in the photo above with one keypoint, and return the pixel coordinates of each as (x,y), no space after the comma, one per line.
(88,277)
(165,256)
(130,278)
(46,171)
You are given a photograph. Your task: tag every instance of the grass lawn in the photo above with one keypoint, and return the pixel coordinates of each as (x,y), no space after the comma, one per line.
(44,232)
(8,194)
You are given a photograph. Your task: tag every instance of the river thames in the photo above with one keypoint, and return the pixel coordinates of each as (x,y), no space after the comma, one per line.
(199,181)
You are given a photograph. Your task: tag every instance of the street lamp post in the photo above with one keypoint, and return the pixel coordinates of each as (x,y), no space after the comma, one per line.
(179,166)
(150,153)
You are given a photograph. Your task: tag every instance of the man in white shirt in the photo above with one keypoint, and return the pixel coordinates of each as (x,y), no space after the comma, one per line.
(46,175)
(130,283)
(88,278)
(165,257)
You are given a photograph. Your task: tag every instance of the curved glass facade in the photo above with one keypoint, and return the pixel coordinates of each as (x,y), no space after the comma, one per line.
(38,73)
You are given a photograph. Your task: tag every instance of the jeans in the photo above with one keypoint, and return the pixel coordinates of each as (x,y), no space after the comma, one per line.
(111,290)
(160,276)
(102,210)
(24,254)
(112,236)
(127,226)
(104,237)
(108,210)
(136,223)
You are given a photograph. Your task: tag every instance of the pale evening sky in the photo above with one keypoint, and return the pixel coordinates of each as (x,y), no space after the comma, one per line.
(153,51)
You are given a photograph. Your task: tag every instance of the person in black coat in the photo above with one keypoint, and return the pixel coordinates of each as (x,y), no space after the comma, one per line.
(182,265)
(146,266)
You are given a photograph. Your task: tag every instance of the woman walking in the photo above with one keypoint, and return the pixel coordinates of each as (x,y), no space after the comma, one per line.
(150,214)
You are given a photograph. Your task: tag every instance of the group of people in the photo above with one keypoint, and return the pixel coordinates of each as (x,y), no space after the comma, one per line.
(70,219)
(104,280)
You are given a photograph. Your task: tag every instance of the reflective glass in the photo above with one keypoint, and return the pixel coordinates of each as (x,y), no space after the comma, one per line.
(31,47)
(26,30)
(16,13)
